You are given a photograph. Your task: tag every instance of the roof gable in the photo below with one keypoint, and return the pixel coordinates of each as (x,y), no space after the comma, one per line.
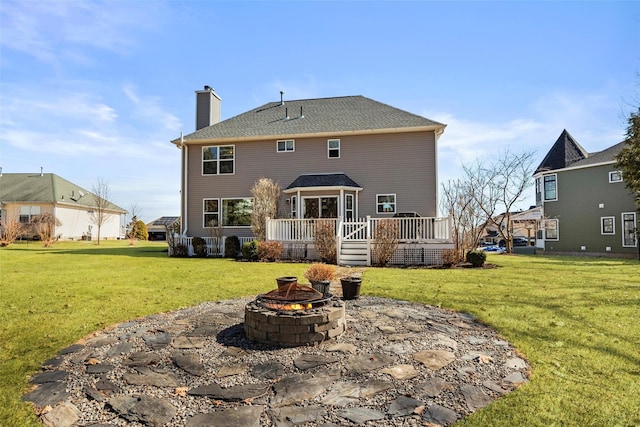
(45,188)
(323,180)
(565,152)
(312,116)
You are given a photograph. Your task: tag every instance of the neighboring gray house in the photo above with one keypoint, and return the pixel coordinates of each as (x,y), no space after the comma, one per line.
(339,158)
(587,209)
(24,196)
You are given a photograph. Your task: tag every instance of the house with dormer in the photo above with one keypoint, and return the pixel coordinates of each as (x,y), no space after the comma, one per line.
(341,158)
(25,196)
(587,209)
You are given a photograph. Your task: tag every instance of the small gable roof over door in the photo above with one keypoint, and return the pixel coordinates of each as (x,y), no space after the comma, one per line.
(322,181)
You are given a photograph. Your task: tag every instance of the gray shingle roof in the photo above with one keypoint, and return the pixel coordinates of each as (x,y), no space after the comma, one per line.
(311,116)
(564,152)
(45,188)
(604,156)
(323,180)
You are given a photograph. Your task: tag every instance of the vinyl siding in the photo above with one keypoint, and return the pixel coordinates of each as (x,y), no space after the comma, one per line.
(403,164)
(580,194)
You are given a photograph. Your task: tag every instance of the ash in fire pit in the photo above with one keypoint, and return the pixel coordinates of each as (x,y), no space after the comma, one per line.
(294,315)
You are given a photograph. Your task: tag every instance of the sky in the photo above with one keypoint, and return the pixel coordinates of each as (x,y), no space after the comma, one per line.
(95,90)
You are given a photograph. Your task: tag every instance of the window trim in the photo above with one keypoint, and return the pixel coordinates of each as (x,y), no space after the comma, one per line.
(394,204)
(544,187)
(635,224)
(218,160)
(222,218)
(618,173)
(603,227)
(294,206)
(205,212)
(286,150)
(352,210)
(34,210)
(557,228)
(329,149)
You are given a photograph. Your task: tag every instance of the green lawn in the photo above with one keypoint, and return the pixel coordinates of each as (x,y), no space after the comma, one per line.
(575,319)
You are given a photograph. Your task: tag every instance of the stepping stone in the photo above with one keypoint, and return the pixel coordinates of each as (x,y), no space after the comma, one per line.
(399,347)
(443,340)
(361,415)
(515,378)
(146,376)
(233,352)
(403,337)
(63,415)
(98,369)
(394,314)
(342,348)
(494,386)
(435,359)
(401,372)
(119,349)
(476,340)
(71,349)
(439,415)
(48,394)
(204,331)
(387,330)
(442,328)
(143,409)
(186,342)
(403,406)
(474,397)
(142,358)
(299,388)
(434,386)
(310,361)
(106,386)
(235,393)
(372,387)
(48,377)
(189,362)
(227,371)
(268,370)
(243,416)
(298,415)
(516,363)
(101,341)
(364,363)
(157,341)
(342,394)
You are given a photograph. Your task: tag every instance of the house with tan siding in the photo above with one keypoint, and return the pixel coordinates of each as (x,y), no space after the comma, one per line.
(25,196)
(344,158)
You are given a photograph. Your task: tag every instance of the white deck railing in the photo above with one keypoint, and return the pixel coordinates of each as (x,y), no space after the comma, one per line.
(421,229)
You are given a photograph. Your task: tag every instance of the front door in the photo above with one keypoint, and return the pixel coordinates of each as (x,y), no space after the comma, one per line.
(320,207)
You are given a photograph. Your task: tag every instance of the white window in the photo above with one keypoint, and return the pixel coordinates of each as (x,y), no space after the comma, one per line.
(348,207)
(237,212)
(218,160)
(211,213)
(294,206)
(615,176)
(386,203)
(27,213)
(333,148)
(629,229)
(551,229)
(550,188)
(285,146)
(607,225)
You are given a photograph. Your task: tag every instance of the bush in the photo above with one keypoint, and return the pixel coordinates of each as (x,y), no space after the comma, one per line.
(450,257)
(199,247)
(476,258)
(385,239)
(250,250)
(180,251)
(324,237)
(269,251)
(231,247)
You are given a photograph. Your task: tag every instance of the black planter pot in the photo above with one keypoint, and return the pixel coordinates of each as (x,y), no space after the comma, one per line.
(351,287)
(321,286)
(286,281)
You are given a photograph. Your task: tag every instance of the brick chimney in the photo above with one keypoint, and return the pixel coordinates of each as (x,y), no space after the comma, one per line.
(207,108)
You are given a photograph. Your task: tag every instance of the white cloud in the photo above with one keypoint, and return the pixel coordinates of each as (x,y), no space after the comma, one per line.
(149,109)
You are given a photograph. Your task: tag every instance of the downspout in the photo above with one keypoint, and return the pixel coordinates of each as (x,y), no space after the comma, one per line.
(185,158)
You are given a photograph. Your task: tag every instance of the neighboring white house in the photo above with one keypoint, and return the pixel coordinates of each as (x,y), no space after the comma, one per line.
(24,196)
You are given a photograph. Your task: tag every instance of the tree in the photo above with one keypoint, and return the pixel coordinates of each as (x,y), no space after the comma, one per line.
(628,160)
(99,215)
(466,216)
(266,195)
(45,227)
(137,230)
(498,186)
(10,228)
